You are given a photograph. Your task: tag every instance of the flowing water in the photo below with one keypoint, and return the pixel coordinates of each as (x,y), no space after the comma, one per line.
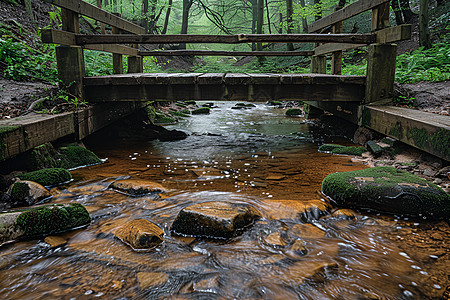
(257,156)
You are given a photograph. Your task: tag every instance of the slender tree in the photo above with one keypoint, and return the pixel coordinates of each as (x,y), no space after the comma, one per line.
(166,19)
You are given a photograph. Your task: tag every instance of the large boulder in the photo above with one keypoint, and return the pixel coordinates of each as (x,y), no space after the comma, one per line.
(387,189)
(25,193)
(48,177)
(140,234)
(42,220)
(214,219)
(137,187)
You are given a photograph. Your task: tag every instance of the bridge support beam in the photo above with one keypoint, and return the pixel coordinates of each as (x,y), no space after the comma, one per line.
(70,64)
(380,74)
(319,64)
(135,64)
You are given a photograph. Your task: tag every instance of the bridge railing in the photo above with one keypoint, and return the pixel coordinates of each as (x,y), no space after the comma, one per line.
(126,37)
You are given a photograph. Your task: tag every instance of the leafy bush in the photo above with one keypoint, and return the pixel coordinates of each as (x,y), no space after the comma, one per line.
(24,63)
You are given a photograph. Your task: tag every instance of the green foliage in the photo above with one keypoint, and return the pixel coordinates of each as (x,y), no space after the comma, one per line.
(425,65)
(98,63)
(47,177)
(329,147)
(24,63)
(161,118)
(293,112)
(352,150)
(201,110)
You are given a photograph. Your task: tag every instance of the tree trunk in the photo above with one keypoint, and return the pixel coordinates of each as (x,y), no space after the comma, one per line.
(144,21)
(289,12)
(260,22)
(166,20)
(397,12)
(304,21)
(254,19)
(268,16)
(424,32)
(280,25)
(185,19)
(406,11)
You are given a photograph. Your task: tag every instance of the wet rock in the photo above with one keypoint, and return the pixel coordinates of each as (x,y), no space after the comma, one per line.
(47,177)
(201,111)
(297,209)
(387,189)
(351,150)
(214,219)
(307,271)
(344,214)
(165,135)
(275,240)
(329,147)
(208,285)
(55,241)
(274,103)
(42,220)
(374,148)
(307,231)
(293,112)
(444,172)
(296,250)
(25,193)
(362,135)
(137,187)
(140,234)
(151,279)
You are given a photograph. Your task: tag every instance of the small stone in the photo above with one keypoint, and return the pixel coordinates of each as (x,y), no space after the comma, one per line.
(275,240)
(24,193)
(209,285)
(140,234)
(307,231)
(151,279)
(137,187)
(429,172)
(437,181)
(214,219)
(345,214)
(55,241)
(297,249)
(275,177)
(374,148)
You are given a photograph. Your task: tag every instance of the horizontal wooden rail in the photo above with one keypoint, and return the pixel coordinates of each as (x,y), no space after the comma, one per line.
(225,39)
(344,13)
(224,53)
(384,36)
(98,14)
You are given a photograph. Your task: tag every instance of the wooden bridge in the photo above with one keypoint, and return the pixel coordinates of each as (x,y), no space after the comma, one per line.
(354,98)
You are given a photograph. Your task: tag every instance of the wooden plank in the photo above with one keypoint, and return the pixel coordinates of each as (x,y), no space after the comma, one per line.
(226,39)
(224,53)
(54,36)
(344,14)
(426,131)
(211,78)
(272,79)
(380,73)
(332,47)
(237,79)
(33,130)
(380,17)
(394,34)
(98,14)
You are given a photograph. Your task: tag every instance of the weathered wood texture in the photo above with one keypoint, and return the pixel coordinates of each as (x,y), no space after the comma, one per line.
(380,74)
(70,64)
(229,86)
(224,53)
(332,47)
(344,14)
(319,64)
(26,132)
(426,131)
(349,111)
(98,14)
(380,17)
(226,39)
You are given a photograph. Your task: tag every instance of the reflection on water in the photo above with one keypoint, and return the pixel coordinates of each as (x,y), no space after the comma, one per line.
(255,156)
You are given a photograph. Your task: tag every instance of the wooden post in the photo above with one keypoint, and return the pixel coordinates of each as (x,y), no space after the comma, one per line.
(380,74)
(319,64)
(380,17)
(117,58)
(135,63)
(336,57)
(70,60)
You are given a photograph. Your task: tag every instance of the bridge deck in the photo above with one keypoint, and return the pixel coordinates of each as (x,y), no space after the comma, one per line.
(224,86)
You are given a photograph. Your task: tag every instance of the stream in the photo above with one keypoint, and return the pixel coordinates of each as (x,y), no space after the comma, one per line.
(256,156)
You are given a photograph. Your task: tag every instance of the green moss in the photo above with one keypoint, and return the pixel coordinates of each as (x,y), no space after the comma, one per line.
(180,104)
(164,119)
(440,141)
(190,102)
(179,114)
(151,113)
(420,137)
(75,156)
(19,191)
(276,103)
(51,219)
(4,130)
(186,111)
(293,112)
(352,150)
(329,147)
(366,117)
(387,189)
(201,110)
(396,131)
(48,177)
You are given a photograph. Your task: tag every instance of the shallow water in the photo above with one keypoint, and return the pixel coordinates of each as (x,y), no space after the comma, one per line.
(256,156)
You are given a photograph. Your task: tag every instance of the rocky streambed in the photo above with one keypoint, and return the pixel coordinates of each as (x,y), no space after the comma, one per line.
(236,210)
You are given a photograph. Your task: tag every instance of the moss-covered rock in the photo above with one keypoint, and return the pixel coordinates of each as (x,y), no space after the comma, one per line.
(140,234)
(23,193)
(161,118)
(48,177)
(186,111)
(329,147)
(387,189)
(274,103)
(293,112)
(214,220)
(201,111)
(42,220)
(352,150)
(190,102)
(179,114)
